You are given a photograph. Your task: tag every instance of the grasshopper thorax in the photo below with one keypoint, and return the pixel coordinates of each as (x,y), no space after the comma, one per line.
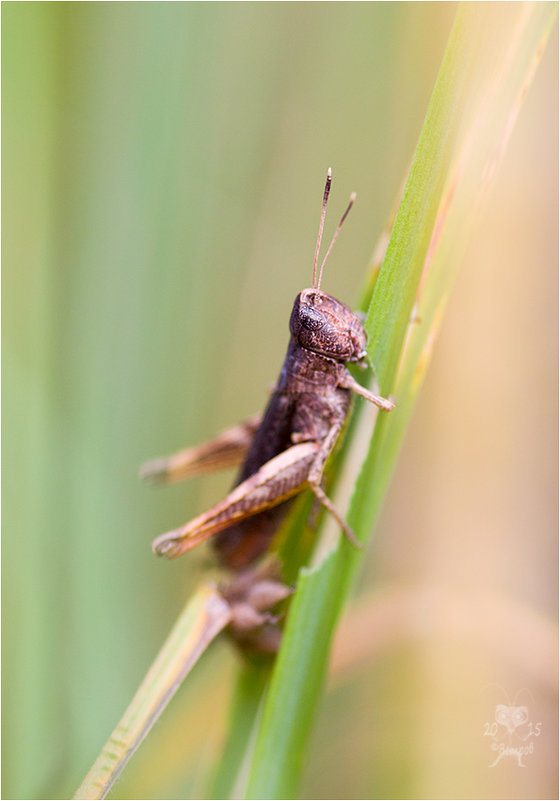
(326,326)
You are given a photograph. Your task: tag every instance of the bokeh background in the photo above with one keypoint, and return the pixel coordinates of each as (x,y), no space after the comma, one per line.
(162,173)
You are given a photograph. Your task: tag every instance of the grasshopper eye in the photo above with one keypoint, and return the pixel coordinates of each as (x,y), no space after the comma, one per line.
(310,318)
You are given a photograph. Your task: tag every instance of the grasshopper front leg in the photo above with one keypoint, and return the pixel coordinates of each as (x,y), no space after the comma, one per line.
(277,480)
(347,380)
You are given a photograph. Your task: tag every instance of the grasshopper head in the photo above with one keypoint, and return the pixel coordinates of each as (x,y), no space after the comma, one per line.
(326,326)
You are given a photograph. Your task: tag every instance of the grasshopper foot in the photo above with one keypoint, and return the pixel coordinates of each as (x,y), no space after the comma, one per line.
(252,596)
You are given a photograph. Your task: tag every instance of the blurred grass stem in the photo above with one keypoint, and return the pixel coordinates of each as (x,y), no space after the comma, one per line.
(205,615)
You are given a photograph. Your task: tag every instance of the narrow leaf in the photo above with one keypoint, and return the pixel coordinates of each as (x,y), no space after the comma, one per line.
(489,61)
(202,619)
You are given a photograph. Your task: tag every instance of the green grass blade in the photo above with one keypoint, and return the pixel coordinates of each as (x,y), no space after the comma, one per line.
(251,684)
(488,64)
(296,684)
(203,618)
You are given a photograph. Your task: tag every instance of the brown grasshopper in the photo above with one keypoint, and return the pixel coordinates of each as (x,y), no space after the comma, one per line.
(286,449)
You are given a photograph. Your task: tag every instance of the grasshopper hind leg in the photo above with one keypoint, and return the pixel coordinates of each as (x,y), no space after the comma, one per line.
(228,449)
(276,481)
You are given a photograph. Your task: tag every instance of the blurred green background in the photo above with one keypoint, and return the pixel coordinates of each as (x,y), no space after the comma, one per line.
(163,165)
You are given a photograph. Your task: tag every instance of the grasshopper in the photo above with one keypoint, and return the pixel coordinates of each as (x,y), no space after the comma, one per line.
(285,450)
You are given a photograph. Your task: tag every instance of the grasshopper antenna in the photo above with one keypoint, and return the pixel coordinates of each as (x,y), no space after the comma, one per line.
(333,240)
(322,224)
